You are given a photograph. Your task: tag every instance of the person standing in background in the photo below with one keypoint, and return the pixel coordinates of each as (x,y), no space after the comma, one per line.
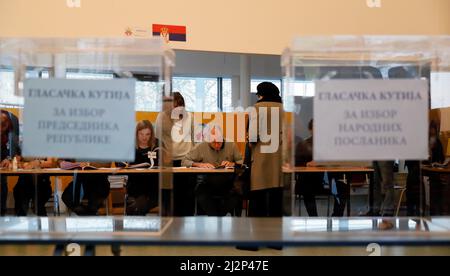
(266,189)
(266,186)
(437,188)
(413,186)
(435,146)
(384,193)
(165,125)
(175,119)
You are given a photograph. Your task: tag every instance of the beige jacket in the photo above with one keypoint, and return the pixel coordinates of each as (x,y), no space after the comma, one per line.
(163,129)
(266,167)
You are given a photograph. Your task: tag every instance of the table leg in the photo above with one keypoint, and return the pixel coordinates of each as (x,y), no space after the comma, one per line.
(56,208)
(349,191)
(35,184)
(371,192)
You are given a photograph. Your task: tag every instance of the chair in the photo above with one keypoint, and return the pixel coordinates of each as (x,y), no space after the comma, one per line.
(118,184)
(241,187)
(230,190)
(402,190)
(360,180)
(54,200)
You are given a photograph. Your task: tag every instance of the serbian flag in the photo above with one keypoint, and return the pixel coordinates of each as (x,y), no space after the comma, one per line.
(170,32)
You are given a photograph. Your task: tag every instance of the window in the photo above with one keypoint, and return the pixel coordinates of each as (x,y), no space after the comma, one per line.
(89,76)
(148,95)
(297,89)
(227,98)
(303,88)
(254,83)
(200,94)
(8,95)
(7,89)
(440,92)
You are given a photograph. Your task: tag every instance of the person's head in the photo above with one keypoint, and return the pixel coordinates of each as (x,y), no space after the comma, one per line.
(433,129)
(178,109)
(145,136)
(267,90)
(433,133)
(311,126)
(6,124)
(215,138)
(178,100)
(398,72)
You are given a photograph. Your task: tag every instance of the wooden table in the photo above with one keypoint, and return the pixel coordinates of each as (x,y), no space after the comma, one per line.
(429,169)
(329,169)
(60,172)
(344,170)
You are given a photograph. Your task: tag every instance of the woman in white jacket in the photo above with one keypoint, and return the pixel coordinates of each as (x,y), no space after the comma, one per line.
(174,128)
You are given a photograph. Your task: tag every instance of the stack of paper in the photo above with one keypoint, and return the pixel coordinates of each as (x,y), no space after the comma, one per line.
(117,181)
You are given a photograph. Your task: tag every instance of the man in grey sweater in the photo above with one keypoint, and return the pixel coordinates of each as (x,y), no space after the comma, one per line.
(214,192)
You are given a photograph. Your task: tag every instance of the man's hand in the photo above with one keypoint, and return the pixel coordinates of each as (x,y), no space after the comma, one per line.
(28,165)
(5,164)
(286,166)
(35,164)
(227,164)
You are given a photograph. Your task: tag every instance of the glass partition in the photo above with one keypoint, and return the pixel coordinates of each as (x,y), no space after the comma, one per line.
(360,134)
(77,135)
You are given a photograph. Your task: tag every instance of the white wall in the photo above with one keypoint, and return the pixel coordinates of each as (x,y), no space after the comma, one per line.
(239,26)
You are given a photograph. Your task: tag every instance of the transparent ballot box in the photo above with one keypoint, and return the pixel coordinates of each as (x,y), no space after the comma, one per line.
(73,111)
(365,122)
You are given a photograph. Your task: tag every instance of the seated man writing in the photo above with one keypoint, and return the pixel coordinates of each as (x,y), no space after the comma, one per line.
(214,192)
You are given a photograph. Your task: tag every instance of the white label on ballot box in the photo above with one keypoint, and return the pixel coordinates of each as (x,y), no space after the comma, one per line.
(82,119)
(370,120)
